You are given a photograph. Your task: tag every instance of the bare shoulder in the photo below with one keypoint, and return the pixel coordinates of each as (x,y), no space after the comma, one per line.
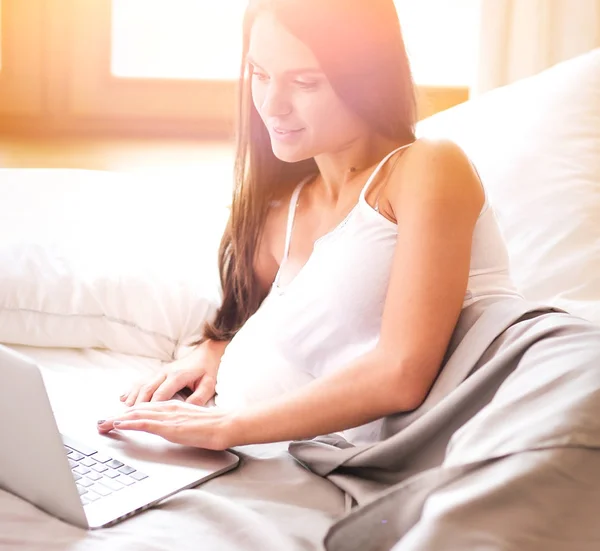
(429,158)
(438,170)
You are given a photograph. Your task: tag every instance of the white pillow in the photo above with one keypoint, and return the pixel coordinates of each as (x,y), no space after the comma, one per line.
(109,260)
(536,144)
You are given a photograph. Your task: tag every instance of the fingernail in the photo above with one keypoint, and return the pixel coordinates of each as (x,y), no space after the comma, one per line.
(116,423)
(102,421)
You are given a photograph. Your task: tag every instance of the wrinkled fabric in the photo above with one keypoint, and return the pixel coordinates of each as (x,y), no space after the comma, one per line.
(516,405)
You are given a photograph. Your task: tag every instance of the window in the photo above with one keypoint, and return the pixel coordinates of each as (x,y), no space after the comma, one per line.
(164,38)
(136,64)
(441,38)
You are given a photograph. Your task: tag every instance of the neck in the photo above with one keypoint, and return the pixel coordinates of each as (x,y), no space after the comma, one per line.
(340,171)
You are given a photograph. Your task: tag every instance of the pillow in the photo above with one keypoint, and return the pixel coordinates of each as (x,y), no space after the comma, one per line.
(109,260)
(129,262)
(536,144)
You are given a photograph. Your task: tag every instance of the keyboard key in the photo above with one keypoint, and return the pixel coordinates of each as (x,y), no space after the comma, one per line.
(101,458)
(80,469)
(138,475)
(126,469)
(81,490)
(75,456)
(92,496)
(93,475)
(102,490)
(111,473)
(85,500)
(100,468)
(112,484)
(77,446)
(127,480)
(88,462)
(73,464)
(76,477)
(114,464)
(86,482)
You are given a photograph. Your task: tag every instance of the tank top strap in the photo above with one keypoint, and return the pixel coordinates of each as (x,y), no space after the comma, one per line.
(290,224)
(486,202)
(376,171)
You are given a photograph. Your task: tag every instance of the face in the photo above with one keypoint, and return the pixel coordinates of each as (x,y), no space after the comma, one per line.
(304,116)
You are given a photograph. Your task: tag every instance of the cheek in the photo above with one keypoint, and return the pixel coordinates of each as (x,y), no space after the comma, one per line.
(329,119)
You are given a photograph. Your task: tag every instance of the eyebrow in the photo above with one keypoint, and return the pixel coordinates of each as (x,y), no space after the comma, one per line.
(293,72)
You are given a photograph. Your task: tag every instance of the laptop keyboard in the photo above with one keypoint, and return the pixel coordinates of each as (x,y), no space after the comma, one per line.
(98,475)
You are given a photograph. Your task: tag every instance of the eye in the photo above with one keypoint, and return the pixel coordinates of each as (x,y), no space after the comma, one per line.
(306,84)
(258,75)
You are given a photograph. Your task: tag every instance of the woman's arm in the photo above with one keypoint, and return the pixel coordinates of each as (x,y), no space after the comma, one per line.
(368,388)
(209,352)
(437,203)
(196,371)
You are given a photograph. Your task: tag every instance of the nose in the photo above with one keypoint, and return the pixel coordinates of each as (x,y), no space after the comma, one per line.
(276,103)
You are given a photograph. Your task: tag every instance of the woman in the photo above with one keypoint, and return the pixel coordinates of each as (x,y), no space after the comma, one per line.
(351,247)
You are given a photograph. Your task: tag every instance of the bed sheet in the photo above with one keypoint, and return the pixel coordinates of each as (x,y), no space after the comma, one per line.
(270,502)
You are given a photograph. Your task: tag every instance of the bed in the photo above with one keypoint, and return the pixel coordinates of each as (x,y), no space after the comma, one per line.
(106,276)
(268,502)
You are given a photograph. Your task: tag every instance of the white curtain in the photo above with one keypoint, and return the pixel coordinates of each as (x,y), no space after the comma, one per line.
(519,38)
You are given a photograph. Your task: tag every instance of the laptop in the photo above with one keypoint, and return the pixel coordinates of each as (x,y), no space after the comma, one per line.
(94,481)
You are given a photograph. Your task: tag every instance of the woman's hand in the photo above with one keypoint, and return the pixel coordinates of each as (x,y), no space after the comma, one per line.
(178,422)
(197,371)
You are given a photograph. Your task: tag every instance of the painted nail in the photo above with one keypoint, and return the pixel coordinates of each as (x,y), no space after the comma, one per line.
(116,423)
(102,421)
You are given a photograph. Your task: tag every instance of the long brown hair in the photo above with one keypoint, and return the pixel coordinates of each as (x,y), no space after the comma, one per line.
(360,48)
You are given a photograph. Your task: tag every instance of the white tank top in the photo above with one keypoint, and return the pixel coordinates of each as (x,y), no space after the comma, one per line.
(331,312)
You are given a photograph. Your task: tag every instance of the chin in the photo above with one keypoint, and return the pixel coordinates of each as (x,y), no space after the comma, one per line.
(289,158)
(290,155)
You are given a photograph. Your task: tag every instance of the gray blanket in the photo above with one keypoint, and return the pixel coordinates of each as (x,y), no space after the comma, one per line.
(503,454)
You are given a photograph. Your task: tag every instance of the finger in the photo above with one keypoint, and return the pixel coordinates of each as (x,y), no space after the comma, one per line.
(204,392)
(106,425)
(168,388)
(147,390)
(166,407)
(133,394)
(145,425)
(150,410)
(130,396)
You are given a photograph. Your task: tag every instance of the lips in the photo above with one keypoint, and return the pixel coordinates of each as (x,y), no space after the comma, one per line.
(286,135)
(284,131)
